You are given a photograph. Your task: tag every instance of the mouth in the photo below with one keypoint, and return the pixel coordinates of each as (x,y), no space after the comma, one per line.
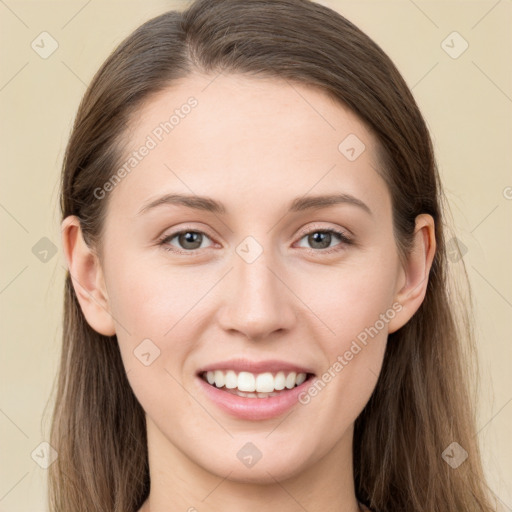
(255,385)
(253,390)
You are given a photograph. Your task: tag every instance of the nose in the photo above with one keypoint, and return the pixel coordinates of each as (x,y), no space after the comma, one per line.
(257,299)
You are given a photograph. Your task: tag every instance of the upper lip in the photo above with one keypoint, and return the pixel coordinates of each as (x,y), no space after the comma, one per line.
(245,365)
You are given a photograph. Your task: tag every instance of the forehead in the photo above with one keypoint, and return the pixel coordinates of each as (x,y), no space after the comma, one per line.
(248,140)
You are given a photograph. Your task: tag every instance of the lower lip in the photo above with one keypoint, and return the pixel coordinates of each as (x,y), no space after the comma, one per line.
(253,408)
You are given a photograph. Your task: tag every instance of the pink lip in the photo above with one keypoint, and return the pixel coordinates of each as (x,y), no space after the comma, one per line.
(253,408)
(244,365)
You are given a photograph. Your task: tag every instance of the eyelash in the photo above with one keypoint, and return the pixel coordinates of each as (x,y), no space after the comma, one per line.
(344,239)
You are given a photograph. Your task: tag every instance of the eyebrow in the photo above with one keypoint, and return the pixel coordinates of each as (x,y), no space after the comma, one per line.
(211,205)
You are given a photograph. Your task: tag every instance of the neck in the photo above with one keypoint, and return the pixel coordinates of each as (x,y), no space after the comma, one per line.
(326,485)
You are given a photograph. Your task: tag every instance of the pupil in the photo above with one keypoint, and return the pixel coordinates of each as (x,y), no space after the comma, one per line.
(322,240)
(190,238)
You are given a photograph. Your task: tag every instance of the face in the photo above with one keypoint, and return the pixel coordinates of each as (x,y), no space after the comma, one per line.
(257,281)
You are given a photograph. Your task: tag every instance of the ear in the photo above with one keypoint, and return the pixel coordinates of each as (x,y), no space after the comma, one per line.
(413,280)
(87,277)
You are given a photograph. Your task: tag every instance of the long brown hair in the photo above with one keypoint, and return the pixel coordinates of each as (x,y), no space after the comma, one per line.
(422,401)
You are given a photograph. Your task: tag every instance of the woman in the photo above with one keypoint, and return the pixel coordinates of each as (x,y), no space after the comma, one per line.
(257,308)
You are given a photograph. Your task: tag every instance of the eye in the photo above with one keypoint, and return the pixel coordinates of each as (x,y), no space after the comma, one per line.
(320,240)
(188,240)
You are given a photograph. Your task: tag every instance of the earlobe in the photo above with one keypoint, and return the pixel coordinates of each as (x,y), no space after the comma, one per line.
(87,277)
(416,271)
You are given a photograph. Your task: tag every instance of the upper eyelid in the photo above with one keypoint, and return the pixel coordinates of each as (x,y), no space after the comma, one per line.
(184,230)
(314,229)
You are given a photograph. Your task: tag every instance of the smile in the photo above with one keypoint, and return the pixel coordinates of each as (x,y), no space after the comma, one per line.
(250,385)
(253,390)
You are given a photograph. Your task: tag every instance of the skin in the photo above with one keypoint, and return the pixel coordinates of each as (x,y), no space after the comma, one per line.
(255,145)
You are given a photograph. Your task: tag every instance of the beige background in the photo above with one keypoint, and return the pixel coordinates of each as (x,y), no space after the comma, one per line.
(466,101)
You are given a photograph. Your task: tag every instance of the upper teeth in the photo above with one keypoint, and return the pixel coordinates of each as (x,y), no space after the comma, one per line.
(263,382)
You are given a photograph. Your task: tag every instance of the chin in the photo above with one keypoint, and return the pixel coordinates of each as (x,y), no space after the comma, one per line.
(279,464)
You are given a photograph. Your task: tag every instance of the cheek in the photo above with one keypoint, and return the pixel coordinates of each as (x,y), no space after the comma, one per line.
(150,299)
(155,307)
(353,300)
(357,306)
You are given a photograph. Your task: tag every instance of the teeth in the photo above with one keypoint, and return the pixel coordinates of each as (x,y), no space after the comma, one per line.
(264,383)
(290,380)
(301,377)
(219,378)
(279,381)
(246,382)
(231,381)
(254,386)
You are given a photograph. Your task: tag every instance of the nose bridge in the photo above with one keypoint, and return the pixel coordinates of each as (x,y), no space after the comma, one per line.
(260,303)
